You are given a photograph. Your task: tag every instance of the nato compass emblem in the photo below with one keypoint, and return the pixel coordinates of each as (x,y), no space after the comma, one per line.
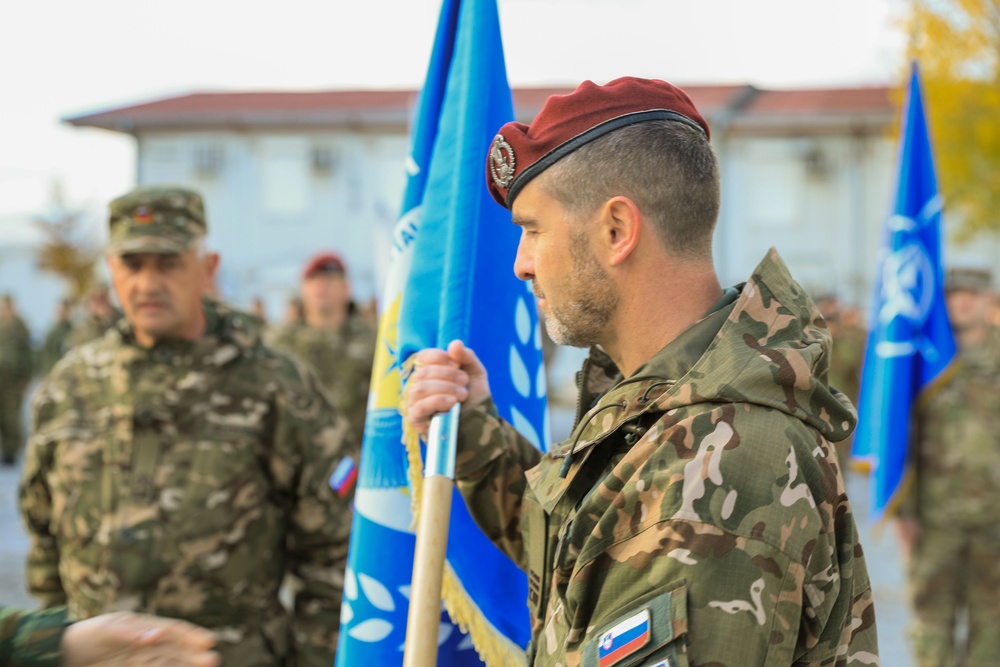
(908,286)
(502,161)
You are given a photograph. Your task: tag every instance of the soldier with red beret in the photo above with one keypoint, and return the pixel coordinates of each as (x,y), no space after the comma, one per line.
(333,339)
(697,514)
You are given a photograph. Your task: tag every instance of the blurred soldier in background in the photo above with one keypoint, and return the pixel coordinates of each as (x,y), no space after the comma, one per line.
(180,467)
(99,315)
(258,310)
(15,375)
(293,311)
(333,339)
(950,521)
(54,346)
(846,356)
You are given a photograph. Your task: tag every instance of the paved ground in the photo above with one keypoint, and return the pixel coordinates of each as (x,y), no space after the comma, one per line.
(883,561)
(885,567)
(13,543)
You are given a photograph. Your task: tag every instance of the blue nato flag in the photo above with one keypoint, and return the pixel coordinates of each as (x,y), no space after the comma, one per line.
(450,278)
(910,342)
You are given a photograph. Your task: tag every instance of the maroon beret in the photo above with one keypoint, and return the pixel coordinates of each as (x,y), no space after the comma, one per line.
(324,262)
(566,122)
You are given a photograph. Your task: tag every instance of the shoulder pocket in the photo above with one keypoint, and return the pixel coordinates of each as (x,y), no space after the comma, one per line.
(650,632)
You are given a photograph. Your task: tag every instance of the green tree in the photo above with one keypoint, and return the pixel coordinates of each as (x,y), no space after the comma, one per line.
(67,250)
(957,43)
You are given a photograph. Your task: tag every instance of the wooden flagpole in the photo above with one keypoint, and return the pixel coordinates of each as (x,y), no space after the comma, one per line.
(423,623)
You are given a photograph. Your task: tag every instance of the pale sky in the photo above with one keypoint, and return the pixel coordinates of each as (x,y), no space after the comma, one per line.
(63,57)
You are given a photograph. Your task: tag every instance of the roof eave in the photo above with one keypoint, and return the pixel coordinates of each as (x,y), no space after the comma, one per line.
(375,119)
(812,123)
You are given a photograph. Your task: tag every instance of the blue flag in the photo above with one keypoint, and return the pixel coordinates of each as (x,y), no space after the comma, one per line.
(910,343)
(451,278)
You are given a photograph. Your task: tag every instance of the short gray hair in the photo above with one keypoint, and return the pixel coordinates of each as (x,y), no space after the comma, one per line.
(667,168)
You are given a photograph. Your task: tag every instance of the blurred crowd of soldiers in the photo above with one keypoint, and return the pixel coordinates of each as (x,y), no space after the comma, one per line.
(334,335)
(20,362)
(949,521)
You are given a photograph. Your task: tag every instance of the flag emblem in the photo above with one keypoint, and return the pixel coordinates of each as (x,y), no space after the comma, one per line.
(624,639)
(343,477)
(142,215)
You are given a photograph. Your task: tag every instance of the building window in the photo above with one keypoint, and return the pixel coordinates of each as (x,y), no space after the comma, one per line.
(208,160)
(323,161)
(774,193)
(285,174)
(817,162)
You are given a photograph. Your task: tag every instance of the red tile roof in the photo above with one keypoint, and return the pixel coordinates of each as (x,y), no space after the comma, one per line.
(859,110)
(387,109)
(829,100)
(241,109)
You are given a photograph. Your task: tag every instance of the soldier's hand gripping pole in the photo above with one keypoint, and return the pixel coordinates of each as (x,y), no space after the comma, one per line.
(424,620)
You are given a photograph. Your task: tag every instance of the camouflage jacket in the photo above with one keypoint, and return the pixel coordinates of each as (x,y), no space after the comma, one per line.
(31,638)
(703,518)
(957,439)
(341,359)
(90,327)
(186,480)
(15,352)
(54,346)
(845,365)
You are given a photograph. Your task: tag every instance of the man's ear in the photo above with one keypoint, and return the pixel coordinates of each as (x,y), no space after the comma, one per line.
(621,226)
(211,265)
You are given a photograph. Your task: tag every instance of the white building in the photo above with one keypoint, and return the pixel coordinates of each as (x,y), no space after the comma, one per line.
(285,174)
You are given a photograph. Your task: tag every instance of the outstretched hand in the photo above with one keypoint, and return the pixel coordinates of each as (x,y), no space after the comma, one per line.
(442,378)
(124,639)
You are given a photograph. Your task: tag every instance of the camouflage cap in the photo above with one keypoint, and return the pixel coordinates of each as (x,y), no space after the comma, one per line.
(156,218)
(971,279)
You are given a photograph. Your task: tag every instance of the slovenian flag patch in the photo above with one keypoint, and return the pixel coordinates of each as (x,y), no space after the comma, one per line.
(343,477)
(624,639)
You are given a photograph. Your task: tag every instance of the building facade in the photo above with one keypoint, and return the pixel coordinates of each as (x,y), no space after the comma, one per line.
(286,174)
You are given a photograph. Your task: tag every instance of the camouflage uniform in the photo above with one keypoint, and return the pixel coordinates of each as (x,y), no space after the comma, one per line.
(185,480)
(15,374)
(845,363)
(957,504)
(31,638)
(846,357)
(92,326)
(341,359)
(54,346)
(702,498)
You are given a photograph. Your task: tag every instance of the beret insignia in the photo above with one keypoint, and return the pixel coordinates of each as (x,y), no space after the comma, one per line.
(502,161)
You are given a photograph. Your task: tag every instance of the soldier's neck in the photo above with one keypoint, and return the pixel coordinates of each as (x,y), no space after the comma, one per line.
(655,310)
(331,320)
(189,331)
(973,336)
